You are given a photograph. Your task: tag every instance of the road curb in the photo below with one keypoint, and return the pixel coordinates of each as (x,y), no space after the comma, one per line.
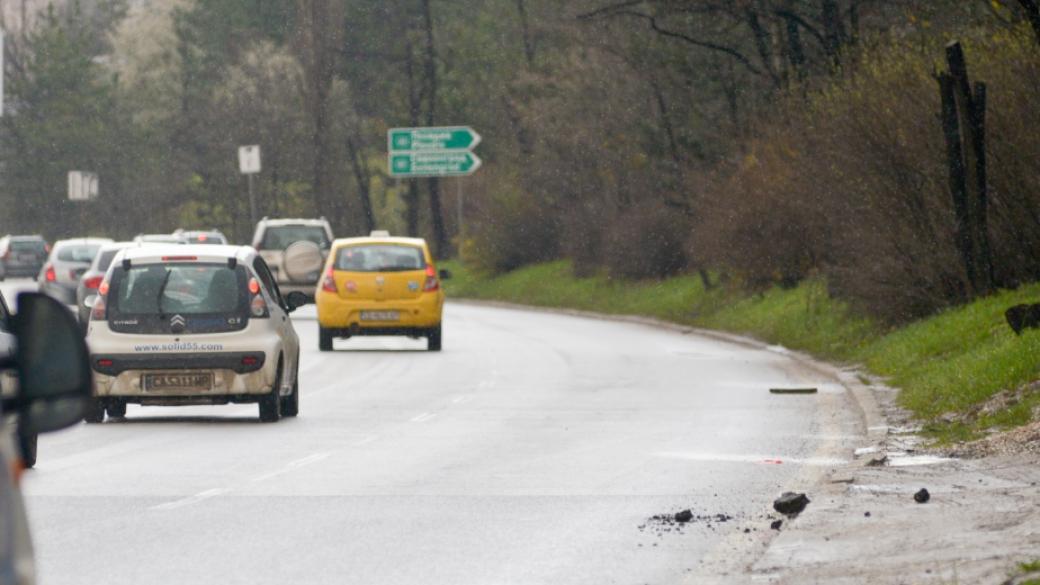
(850,377)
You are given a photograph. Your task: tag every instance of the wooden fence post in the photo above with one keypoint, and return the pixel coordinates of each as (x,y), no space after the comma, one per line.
(964,127)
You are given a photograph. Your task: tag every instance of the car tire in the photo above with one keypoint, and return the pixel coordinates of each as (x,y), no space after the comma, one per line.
(324,339)
(28,447)
(95,412)
(271,403)
(116,409)
(433,339)
(291,403)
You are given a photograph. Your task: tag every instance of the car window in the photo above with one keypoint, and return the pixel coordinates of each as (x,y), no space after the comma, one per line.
(380,258)
(268,280)
(29,246)
(182,288)
(280,237)
(104,259)
(78,252)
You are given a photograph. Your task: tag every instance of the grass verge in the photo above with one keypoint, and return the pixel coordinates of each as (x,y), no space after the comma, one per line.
(949,363)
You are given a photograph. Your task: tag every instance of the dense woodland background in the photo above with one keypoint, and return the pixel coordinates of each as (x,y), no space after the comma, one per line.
(753,142)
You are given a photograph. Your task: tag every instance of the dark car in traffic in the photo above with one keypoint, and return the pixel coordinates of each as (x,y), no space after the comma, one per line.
(22,256)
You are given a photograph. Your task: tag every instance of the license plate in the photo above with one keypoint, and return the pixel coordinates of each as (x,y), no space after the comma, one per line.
(202,381)
(380,315)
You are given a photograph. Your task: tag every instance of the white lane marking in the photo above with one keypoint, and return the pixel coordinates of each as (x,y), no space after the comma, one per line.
(764,459)
(291,466)
(462,399)
(191,500)
(423,417)
(366,440)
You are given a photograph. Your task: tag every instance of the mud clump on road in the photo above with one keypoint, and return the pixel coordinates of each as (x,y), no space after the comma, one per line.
(776,524)
(790,504)
(667,523)
(922,496)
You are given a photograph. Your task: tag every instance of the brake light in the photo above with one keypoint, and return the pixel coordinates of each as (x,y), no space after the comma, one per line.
(329,284)
(250,360)
(179,258)
(103,288)
(50,275)
(432,283)
(202,237)
(104,363)
(254,286)
(93,282)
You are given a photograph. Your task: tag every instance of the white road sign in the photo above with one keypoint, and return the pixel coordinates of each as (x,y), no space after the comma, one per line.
(249,159)
(83,186)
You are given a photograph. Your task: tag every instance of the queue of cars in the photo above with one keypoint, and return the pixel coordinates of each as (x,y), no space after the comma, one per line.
(184,319)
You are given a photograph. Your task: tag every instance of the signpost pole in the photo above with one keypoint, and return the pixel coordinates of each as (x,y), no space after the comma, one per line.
(252,201)
(458,208)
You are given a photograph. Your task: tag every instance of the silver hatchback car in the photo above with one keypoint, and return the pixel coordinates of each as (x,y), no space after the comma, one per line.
(68,260)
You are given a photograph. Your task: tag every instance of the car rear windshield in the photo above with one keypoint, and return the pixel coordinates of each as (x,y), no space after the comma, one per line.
(78,252)
(211,297)
(29,246)
(104,259)
(282,236)
(380,258)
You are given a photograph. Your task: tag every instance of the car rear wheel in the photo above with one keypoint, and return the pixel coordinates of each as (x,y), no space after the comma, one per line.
(291,403)
(116,409)
(433,340)
(324,339)
(271,403)
(95,411)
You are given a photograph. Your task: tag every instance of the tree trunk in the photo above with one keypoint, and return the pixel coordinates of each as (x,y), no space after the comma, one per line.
(411,198)
(440,236)
(364,183)
(525,32)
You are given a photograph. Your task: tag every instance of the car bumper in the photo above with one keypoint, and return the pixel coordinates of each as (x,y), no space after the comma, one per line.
(21,271)
(233,381)
(336,313)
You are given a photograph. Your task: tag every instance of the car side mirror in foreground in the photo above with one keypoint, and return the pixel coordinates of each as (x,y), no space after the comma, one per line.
(445,274)
(53,365)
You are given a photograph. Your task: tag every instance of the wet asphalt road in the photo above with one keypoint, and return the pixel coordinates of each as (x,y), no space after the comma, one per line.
(531,450)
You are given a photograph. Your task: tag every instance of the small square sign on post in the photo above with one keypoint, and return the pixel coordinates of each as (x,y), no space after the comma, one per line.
(83,186)
(249,159)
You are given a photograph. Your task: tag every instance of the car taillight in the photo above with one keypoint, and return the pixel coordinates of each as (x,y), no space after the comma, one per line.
(98,311)
(258,307)
(329,283)
(104,363)
(93,282)
(250,360)
(432,283)
(50,275)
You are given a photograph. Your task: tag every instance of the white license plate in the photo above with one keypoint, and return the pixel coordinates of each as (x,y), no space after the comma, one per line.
(380,315)
(201,381)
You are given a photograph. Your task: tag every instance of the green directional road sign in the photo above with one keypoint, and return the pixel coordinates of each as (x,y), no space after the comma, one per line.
(429,139)
(433,164)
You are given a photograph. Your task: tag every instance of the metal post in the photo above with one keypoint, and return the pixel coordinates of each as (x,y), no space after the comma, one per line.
(252,201)
(458,208)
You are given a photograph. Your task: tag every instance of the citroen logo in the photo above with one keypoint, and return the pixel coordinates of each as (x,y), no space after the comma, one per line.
(177,323)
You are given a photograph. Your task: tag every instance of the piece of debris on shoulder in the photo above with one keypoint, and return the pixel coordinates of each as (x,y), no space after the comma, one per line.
(922,496)
(776,524)
(790,503)
(801,390)
(878,461)
(684,516)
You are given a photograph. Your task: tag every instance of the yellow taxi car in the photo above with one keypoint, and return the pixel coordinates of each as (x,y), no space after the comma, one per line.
(380,285)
